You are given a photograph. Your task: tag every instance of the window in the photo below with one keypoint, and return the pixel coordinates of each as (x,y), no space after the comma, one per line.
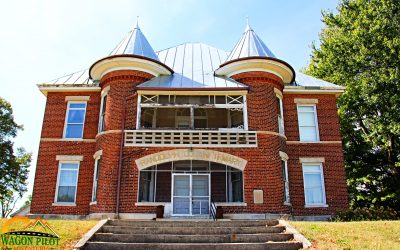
(281,129)
(67,182)
(75,120)
(96,178)
(192,112)
(308,125)
(314,188)
(286,197)
(102,113)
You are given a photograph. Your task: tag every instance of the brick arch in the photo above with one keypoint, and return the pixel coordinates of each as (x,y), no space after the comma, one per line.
(191,154)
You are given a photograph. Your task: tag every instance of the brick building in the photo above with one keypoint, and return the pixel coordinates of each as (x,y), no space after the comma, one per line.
(187,127)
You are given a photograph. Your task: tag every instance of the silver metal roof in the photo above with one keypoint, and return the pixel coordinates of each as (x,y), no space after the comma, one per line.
(249,45)
(309,81)
(135,43)
(79,78)
(194,65)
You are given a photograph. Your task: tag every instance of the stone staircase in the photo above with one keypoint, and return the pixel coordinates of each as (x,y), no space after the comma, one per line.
(202,234)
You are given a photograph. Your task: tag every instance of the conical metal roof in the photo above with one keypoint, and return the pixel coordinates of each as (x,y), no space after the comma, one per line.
(249,45)
(135,43)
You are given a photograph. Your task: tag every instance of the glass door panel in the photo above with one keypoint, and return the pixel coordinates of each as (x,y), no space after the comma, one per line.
(181,194)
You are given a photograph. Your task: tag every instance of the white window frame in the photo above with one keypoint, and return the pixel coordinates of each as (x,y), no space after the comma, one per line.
(66,120)
(321,172)
(95,181)
(315,119)
(286,189)
(281,123)
(151,100)
(58,182)
(101,121)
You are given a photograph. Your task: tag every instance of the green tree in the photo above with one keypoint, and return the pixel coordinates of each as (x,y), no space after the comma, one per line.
(360,49)
(13,165)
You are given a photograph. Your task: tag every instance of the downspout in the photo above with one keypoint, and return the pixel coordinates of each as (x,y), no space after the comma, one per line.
(121,148)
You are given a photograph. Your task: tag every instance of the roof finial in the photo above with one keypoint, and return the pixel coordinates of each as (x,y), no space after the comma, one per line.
(137,22)
(247,24)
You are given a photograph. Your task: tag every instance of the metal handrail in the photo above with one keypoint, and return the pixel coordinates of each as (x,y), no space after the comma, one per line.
(213,210)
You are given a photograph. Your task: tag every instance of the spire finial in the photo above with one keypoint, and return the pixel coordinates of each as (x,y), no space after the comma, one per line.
(137,21)
(247,24)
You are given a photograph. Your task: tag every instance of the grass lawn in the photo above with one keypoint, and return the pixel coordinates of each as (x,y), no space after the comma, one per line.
(70,231)
(351,235)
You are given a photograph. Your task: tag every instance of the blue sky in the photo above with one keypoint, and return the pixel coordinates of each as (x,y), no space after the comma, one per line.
(42,40)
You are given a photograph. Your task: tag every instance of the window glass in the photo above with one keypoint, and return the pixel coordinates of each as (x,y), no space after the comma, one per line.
(308,129)
(313,184)
(75,120)
(96,179)
(67,181)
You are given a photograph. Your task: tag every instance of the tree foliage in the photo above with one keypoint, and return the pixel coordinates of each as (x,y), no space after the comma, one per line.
(360,49)
(13,165)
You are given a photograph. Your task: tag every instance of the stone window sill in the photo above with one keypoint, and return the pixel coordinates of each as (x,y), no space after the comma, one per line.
(231,204)
(60,204)
(150,204)
(93,203)
(316,205)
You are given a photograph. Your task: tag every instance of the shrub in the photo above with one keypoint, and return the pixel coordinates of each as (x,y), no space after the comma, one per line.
(373,213)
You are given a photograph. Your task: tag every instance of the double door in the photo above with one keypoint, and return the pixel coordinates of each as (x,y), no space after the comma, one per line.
(190,194)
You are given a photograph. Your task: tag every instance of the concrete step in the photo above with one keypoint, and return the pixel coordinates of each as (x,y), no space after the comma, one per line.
(191,230)
(198,246)
(233,223)
(170,238)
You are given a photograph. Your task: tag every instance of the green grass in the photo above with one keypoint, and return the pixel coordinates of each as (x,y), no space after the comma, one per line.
(351,235)
(70,231)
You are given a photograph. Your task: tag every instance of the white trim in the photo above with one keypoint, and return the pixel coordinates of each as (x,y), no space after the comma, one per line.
(264,64)
(101,68)
(191,154)
(316,205)
(303,90)
(150,204)
(245,115)
(66,119)
(321,172)
(75,158)
(63,204)
(315,120)
(281,120)
(312,159)
(231,204)
(93,203)
(305,101)
(56,203)
(77,98)
(278,93)
(105,91)
(190,196)
(98,154)
(314,142)
(192,92)
(138,111)
(46,89)
(95,182)
(101,121)
(283,156)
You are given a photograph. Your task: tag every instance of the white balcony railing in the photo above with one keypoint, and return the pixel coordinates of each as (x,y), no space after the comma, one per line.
(190,138)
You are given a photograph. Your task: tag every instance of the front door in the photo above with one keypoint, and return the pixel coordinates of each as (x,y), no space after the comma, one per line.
(191,194)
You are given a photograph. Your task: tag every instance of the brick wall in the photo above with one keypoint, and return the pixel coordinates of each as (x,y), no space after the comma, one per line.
(263,170)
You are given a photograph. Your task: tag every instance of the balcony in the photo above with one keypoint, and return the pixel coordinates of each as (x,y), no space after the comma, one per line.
(191,138)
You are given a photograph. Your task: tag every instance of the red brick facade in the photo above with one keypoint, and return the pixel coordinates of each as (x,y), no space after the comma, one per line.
(263,170)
